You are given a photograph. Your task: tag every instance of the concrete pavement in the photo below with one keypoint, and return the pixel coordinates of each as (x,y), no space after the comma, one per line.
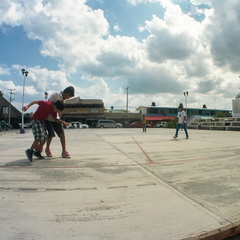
(122,184)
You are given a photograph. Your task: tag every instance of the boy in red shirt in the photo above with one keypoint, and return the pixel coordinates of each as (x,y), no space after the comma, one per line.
(38,127)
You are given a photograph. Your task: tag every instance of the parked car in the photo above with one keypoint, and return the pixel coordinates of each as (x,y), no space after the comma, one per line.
(108,124)
(160,124)
(84,125)
(138,125)
(25,125)
(77,125)
(5,125)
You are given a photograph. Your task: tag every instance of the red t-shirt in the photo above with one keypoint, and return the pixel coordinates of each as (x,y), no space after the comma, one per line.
(44,109)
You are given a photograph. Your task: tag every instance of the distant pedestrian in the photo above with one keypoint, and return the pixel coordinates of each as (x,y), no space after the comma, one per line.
(182,121)
(57,127)
(144,123)
(38,127)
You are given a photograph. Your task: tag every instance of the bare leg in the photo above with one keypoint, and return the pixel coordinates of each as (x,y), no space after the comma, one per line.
(49,142)
(38,145)
(63,141)
(35,143)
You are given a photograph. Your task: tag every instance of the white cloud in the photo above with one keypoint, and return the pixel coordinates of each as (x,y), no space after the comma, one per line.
(43,79)
(68,30)
(11,13)
(198,2)
(4,71)
(116,28)
(223,32)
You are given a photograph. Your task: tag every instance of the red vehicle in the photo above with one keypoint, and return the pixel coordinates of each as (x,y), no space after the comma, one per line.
(138,125)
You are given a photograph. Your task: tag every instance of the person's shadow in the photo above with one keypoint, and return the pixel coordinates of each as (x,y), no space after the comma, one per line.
(18,163)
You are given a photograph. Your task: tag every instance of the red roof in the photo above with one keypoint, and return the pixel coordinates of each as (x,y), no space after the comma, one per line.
(159,118)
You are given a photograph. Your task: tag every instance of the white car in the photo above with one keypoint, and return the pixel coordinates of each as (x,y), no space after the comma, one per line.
(105,123)
(83,125)
(77,125)
(161,124)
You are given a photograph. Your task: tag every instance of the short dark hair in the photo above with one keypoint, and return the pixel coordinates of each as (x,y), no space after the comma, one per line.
(59,105)
(70,90)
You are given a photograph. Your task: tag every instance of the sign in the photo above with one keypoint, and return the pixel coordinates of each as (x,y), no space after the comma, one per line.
(94,110)
(5,110)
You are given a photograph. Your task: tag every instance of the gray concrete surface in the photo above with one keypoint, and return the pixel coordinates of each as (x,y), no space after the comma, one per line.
(122,184)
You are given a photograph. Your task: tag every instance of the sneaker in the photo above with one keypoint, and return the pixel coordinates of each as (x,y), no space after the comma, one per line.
(48,152)
(65,154)
(38,154)
(29,154)
(175,137)
(187,137)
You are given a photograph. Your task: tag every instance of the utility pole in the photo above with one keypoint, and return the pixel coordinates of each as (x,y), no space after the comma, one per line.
(10,104)
(127,100)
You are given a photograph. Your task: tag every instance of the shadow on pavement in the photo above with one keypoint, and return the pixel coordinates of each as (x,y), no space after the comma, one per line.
(18,163)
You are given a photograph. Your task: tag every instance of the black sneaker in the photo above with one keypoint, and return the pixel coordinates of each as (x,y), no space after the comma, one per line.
(38,154)
(29,154)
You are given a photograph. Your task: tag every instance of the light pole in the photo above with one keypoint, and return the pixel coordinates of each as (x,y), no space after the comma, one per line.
(10,105)
(186,95)
(25,74)
(127,100)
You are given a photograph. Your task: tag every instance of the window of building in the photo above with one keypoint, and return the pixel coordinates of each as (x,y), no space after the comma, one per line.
(152,110)
(173,111)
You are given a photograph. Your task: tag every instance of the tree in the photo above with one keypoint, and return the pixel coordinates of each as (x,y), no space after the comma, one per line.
(153,104)
(173,123)
(220,115)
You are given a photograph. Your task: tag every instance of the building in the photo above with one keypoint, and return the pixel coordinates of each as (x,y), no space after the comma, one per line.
(91,110)
(8,112)
(156,114)
(77,108)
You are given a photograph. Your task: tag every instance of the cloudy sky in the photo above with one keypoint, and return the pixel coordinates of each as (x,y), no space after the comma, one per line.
(157,48)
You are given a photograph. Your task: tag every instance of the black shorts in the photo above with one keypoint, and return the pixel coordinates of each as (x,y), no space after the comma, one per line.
(53,127)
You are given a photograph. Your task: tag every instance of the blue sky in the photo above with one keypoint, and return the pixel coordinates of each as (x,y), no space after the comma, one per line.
(157,48)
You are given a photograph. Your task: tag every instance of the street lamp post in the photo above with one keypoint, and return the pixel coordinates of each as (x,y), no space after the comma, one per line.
(25,74)
(186,95)
(127,100)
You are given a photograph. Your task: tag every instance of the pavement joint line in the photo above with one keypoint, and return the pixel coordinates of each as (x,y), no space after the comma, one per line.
(117,187)
(104,166)
(143,151)
(121,151)
(70,189)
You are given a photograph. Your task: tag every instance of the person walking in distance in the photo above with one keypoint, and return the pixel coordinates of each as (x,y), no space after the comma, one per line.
(182,121)
(144,123)
(57,127)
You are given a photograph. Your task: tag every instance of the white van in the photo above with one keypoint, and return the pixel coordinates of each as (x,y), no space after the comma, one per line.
(161,124)
(108,124)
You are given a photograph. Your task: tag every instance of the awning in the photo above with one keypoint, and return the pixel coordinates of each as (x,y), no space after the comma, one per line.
(159,118)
